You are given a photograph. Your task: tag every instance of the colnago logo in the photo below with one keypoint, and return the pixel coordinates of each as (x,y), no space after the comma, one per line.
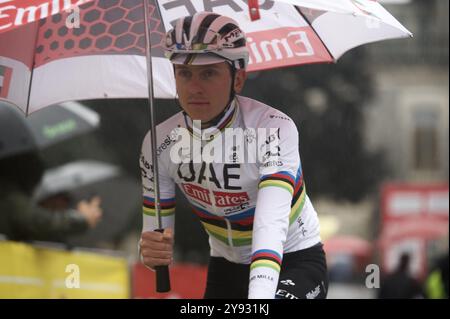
(15,13)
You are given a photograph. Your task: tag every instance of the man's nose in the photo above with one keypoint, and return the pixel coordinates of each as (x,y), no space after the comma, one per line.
(195,86)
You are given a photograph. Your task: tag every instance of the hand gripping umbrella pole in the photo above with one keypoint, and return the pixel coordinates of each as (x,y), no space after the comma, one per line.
(162,272)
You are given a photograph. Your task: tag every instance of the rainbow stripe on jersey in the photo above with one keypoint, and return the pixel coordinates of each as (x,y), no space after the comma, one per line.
(167,206)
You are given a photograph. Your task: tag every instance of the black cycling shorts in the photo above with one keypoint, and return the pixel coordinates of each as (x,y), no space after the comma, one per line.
(303,276)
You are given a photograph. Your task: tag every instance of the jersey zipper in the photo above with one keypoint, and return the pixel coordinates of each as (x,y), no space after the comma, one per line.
(214,207)
(230,232)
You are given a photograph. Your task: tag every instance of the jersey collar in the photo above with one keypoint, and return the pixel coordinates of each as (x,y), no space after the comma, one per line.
(225,121)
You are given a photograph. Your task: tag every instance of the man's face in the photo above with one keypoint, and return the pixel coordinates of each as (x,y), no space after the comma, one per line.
(204,90)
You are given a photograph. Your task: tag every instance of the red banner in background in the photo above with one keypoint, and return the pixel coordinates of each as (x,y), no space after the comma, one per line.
(14,13)
(413,215)
(188,281)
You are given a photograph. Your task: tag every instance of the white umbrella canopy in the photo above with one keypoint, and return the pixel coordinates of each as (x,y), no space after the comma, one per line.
(301,31)
(365,22)
(46,62)
(340,6)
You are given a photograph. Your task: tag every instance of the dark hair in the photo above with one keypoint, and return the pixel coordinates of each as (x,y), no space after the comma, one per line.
(24,170)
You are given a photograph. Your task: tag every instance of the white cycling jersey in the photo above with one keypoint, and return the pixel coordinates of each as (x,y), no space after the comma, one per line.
(251,198)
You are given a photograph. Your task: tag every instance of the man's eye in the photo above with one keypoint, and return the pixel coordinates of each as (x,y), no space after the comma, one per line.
(208,73)
(183,73)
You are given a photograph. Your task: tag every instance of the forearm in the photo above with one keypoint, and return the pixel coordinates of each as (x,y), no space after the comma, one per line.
(269,235)
(40,223)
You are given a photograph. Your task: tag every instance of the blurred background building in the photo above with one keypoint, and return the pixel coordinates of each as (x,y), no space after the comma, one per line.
(409,116)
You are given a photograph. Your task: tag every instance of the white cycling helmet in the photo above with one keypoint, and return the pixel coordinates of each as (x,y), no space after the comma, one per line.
(206,38)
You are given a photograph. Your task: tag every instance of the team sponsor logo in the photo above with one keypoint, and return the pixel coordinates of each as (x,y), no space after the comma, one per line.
(165,144)
(301,224)
(230,199)
(285,294)
(232,36)
(279,117)
(197,192)
(273,163)
(288,282)
(273,150)
(313,293)
(236,209)
(146,174)
(146,169)
(262,276)
(220,199)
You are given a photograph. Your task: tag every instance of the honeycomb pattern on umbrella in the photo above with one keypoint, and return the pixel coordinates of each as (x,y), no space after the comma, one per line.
(106,27)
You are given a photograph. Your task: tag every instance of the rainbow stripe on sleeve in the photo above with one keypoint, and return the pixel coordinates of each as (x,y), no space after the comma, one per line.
(298,198)
(167,206)
(266,258)
(281,179)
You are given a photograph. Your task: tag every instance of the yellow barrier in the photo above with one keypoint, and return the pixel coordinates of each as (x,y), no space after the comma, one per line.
(35,272)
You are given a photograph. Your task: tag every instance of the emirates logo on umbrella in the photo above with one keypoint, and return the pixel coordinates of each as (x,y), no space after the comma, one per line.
(5,80)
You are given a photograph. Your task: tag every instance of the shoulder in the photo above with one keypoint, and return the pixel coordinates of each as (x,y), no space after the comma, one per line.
(164,131)
(259,115)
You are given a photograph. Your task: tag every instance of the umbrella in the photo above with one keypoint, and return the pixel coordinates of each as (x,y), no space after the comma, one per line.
(55,124)
(83,179)
(48,61)
(109,55)
(15,133)
(18,12)
(106,56)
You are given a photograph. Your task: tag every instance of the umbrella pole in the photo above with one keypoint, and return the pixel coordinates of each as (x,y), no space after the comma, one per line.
(38,26)
(162,272)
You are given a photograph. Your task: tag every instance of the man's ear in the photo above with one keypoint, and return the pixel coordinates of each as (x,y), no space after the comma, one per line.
(239,80)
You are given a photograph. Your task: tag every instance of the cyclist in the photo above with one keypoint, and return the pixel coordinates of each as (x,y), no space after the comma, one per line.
(263,230)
